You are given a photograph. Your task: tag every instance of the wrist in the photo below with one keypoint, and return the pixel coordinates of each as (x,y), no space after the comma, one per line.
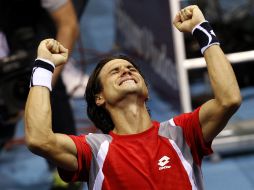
(205,35)
(42,73)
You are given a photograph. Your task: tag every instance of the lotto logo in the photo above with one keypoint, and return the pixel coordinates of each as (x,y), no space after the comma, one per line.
(163,163)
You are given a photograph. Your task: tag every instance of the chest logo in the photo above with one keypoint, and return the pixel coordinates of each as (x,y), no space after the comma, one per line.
(163,163)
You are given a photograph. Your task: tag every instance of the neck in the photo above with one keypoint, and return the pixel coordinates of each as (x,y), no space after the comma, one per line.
(130,117)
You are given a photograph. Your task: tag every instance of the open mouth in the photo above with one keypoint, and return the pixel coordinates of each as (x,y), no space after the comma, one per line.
(128,81)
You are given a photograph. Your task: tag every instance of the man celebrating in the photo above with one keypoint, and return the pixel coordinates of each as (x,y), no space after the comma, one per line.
(133,152)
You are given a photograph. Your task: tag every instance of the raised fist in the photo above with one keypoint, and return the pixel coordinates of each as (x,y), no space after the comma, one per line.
(187,18)
(53,51)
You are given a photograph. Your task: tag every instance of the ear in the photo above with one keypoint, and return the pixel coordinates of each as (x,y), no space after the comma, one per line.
(99,100)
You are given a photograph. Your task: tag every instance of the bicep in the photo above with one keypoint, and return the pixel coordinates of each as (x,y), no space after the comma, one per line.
(213,118)
(63,153)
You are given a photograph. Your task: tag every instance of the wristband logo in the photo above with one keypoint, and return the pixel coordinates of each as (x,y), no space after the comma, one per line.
(205,36)
(212,32)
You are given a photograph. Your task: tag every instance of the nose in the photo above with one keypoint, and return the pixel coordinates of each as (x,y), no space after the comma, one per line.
(125,71)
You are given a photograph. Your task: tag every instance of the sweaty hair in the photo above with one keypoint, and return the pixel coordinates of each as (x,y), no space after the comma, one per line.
(98,114)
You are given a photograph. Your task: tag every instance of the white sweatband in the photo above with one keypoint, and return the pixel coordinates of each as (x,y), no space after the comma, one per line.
(42,73)
(205,36)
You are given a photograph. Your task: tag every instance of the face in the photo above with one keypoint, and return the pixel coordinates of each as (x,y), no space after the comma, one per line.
(120,79)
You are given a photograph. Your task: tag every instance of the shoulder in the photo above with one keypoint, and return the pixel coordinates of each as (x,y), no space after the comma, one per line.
(185,119)
(96,141)
(98,137)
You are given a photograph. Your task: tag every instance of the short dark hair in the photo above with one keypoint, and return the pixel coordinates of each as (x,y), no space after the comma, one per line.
(98,114)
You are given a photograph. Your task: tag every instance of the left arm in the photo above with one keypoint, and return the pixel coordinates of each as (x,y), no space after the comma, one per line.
(215,113)
(67,30)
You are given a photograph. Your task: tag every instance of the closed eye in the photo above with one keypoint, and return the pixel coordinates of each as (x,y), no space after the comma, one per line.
(131,68)
(114,71)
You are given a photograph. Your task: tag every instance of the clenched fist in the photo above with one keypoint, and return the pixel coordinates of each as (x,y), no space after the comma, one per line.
(53,51)
(187,18)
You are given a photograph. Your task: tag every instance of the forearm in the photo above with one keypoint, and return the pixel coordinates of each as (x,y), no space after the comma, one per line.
(67,36)
(38,127)
(67,30)
(222,77)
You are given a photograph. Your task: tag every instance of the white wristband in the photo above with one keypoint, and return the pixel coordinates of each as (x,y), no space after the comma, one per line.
(42,73)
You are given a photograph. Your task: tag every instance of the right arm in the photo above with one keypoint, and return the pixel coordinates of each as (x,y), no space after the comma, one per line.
(40,139)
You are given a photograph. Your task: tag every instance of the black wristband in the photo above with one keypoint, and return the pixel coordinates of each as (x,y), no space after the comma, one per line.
(44,65)
(205,36)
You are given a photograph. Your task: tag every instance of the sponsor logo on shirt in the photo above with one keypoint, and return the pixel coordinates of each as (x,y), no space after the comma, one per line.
(163,163)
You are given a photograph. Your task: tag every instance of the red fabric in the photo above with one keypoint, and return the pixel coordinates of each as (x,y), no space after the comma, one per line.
(132,161)
(193,135)
(84,156)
